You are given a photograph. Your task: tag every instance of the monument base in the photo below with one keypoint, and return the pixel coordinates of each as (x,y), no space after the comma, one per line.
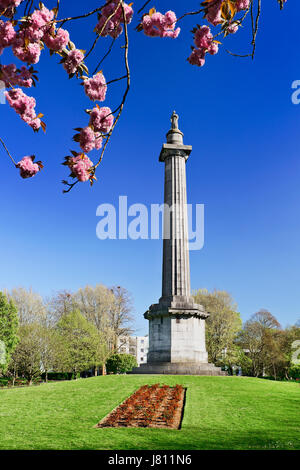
(178,368)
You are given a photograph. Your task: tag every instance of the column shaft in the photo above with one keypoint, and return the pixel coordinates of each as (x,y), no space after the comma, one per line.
(176,270)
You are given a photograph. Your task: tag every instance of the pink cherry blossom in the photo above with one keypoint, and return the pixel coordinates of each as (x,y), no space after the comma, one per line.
(213,48)
(80,167)
(56,41)
(24,106)
(39,24)
(29,53)
(87,139)
(242,4)
(41,18)
(213,12)
(27,167)
(232,28)
(203,37)
(197,57)
(101,119)
(98,141)
(204,43)
(110,8)
(73,60)
(159,25)
(112,26)
(9,3)
(95,87)
(15,77)
(7,34)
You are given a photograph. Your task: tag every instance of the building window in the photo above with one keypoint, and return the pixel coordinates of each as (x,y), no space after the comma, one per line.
(177,320)
(142,341)
(142,358)
(142,350)
(161,320)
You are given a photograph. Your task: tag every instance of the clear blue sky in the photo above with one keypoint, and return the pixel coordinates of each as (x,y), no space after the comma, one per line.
(245,168)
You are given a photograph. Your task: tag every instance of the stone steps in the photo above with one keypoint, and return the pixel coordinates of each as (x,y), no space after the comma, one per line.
(179,368)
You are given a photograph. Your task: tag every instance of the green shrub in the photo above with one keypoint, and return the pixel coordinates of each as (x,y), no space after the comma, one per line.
(120,363)
(59,376)
(294,372)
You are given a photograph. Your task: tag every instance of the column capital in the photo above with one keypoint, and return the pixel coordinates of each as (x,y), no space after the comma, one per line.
(168,150)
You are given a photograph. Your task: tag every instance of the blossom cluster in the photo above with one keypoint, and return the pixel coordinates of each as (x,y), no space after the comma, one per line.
(95,87)
(24,106)
(9,3)
(7,7)
(27,42)
(111,19)
(7,34)
(156,24)
(12,76)
(204,43)
(91,137)
(215,13)
(28,168)
(73,60)
(80,166)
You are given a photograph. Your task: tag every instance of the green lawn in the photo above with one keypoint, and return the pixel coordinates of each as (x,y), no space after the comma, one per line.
(220,413)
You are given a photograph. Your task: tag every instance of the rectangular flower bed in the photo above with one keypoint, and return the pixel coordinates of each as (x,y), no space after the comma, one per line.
(152,406)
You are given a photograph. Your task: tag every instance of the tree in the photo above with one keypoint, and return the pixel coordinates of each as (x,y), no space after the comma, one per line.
(96,304)
(79,343)
(29,304)
(109,310)
(61,303)
(260,338)
(288,347)
(50,347)
(120,316)
(8,330)
(120,363)
(222,325)
(27,31)
(26,359)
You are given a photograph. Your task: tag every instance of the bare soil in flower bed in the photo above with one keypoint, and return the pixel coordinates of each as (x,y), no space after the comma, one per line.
(151,406)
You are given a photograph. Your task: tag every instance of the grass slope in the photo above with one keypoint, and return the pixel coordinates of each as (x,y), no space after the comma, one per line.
(220,413)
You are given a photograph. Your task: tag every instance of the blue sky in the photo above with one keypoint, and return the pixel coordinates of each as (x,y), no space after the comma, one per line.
(244,167)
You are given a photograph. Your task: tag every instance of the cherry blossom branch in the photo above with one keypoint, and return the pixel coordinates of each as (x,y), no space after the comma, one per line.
(116,79)
(103,28)
(256,26)
(85,15)
(104,57)
(144,6)
(7,152)
(126,46)
(71,186)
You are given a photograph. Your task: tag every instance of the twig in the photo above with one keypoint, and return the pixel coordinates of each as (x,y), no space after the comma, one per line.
(126,91)
(104,57)
(71,185)
(256,27)
(102,29)
(85,15)
(144,6)
(8,152)
(238,55)
(116,80)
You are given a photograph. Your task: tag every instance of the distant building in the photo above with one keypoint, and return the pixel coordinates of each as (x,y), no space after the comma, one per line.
(138,346)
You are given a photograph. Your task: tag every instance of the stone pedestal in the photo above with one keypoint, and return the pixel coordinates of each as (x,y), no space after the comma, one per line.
(176,323)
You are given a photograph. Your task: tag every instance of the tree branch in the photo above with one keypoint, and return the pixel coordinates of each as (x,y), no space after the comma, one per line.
(7,152)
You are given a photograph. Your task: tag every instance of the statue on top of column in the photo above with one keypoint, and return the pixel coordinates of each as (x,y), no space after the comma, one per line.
(174,120)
